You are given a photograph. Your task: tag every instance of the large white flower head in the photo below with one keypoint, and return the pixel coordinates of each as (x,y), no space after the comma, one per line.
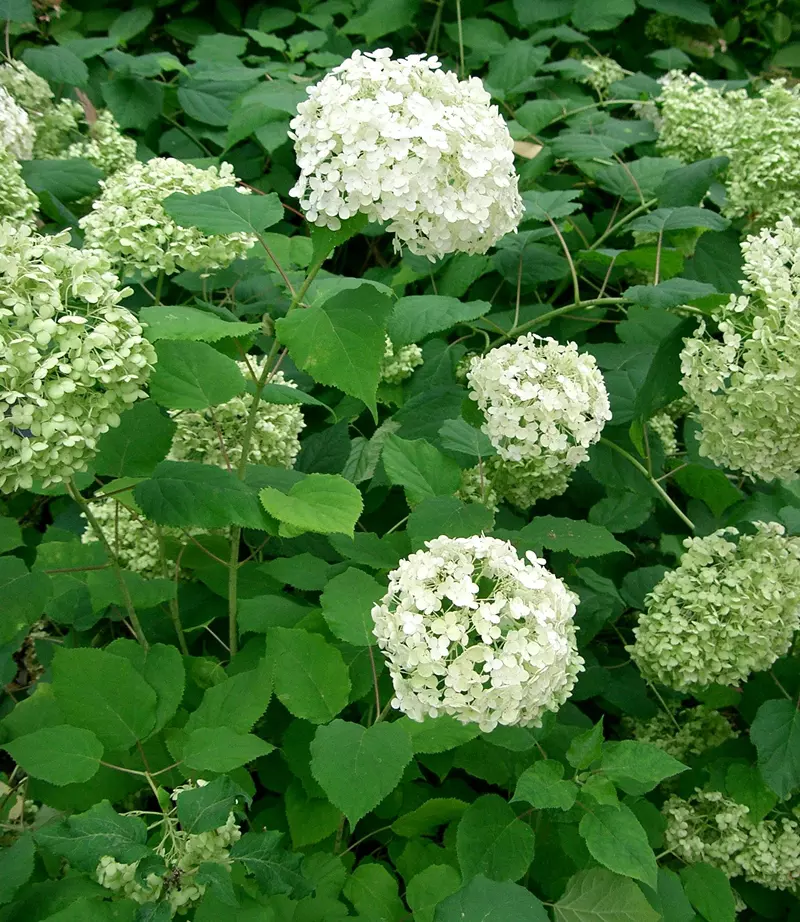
(544,404)
(730,608)
(746,384)
(16,131)
(106,146)
(471,630)
(71,357)
(711,828)
(17,202)
(215,436)
(404,142)
(28,89)
(130,224)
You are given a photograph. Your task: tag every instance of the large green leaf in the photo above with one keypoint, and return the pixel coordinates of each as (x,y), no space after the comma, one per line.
(235,703)
(190,323)
(341,342)
(446,515)
(775,733)
(543,787)
(690,10)
(581,539)
(220,749)
(67,180)
(16,867)
(709,891)
(616,838)
(592,16)
(375,894)
(429,888)
(682,218)
(57,64)
(484,900)
(224,211)
(324,503)
(416,317)
(134,448)
(24,594)
(598,895)
(357,767)
(380,17)
(638,767)
(275,869)
(420,468)
(60,755)
(347,604)
(491,841)
(193,376)
(310,676)
(203,808)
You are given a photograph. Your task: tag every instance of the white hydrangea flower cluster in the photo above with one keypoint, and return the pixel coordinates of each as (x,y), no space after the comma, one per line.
(471,630)
(71,357)
(404,142)
(202,434)
(729,609)
(711,828)
(183,853)
(106,147)
(759,134)
(603,72)
(699,729)
(398,363)
(745,386)
(28,89)
(18,203)
(16,131)
(544,404)
(130,224)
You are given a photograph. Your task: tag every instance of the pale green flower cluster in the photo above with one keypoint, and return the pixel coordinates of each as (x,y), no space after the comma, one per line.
(184,853)
(664,424)
(399,363)
(476,487)
(29,90)
(544,404)
(106,147)
(759,134)
(711,828)
(56,128)
(687,732)
(215,436)
(745,384)
(729,609)
(16,131)
(130,224)
(17,202)
(71,357)
(603,72)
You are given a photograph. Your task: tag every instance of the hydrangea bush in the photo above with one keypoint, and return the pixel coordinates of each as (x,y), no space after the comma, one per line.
(398,452)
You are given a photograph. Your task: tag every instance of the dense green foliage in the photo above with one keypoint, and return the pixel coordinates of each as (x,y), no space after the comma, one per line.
(196,717)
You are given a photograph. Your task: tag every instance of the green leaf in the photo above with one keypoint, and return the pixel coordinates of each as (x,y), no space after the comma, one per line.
(310,676)
(571,145)
(217,877)
(10,535)
(322,503)
(57,64)
(446,515)
(615,838)
(189,323)
(662,384)
(105,694)
(638,767)
(639,178)
(134,448)
(162,668)
(427,818)
(690,10)
(193,376)
(341,342)
(357,767)
(438,734)
(420,468)
(673,292)
(181,493)
(224,211)
(275,869)
(457,436)
(24,597)
(598,895)
(775,733)
(382,17)
(310,819)
(134,102)
(60,755)
(689,184)
(236,703)
(375,894)
(347,604)
(591,16)
(418,316)
(683,218)
(202,809)
(491,841)
(17,11)
(543,787)
(578,538)
(85,838)
(428,888)
(483,900)
(709,891)
(220,749)
(67,180)
(709,484)
(746,786)
(16,867)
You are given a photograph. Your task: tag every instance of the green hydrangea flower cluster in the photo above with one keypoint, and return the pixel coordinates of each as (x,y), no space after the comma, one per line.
(29,90)
(745,386)
(711,828)
(215,436)
(130,224)
(17,202)
(603,71)
(106,147)
(730,608)
(399,363)
(759,134)
(71,357)
(687,732)
(476,487)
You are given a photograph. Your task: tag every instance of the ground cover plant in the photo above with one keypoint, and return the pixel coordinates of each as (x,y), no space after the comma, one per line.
(398,452)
